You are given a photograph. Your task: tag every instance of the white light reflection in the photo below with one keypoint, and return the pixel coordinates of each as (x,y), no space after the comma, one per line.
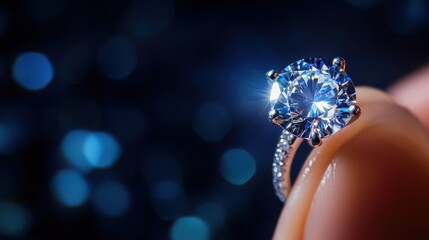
(275,91)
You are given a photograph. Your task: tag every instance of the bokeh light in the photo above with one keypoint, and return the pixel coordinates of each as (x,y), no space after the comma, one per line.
(213,213)
(146,119)
(33,70)
(72,147)
(117,58)
(408,16)
(190,228)
(111,199)
(85,149)
(211,122)
(169,200)
(10,136)
(70,188)
(101,149)
(14,219)
(237,166)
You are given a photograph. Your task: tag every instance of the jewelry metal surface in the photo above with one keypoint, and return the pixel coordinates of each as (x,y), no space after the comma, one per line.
(310,99)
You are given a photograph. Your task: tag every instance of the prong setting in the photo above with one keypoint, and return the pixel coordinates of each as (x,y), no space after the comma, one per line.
(339,62)
(315,139)
(356,111)
(271,74)
(273,115)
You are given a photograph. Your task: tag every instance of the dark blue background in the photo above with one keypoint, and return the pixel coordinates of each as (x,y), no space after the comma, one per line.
(175,84)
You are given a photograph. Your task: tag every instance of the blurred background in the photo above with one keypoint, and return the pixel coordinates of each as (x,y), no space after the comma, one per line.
(147,119)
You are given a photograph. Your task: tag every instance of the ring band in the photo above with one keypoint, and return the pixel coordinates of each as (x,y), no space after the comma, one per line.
(283,157)
(310,99)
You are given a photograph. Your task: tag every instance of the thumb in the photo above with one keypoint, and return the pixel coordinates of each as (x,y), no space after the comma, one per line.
(367,182)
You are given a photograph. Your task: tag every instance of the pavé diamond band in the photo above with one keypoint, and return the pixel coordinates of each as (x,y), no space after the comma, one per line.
(310,99)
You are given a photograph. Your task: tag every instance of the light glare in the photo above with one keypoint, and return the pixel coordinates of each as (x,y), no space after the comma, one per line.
(275,91)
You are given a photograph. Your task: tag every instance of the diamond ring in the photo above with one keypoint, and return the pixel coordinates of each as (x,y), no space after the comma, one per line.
(310,99)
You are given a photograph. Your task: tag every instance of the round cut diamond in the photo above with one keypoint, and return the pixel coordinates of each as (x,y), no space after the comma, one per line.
(312,95)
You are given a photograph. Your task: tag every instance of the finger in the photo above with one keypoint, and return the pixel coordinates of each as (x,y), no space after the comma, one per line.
(293,216)
(412,92)
(377,185)
(376,106)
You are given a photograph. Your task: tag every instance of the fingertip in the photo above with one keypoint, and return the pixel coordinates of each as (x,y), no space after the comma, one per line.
(379,110)
(366,94)
(376,187)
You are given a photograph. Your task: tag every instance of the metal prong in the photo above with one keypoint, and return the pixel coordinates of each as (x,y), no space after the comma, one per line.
(273,115)
(315,139)
(271,74)
(356,110)
(340,62)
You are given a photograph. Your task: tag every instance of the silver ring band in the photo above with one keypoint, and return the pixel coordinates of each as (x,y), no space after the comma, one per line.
(283,157)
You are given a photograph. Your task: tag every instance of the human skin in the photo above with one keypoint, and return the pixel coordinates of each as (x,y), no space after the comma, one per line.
(370,180)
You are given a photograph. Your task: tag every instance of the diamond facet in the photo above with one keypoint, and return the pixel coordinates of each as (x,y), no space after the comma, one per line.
(311,95)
